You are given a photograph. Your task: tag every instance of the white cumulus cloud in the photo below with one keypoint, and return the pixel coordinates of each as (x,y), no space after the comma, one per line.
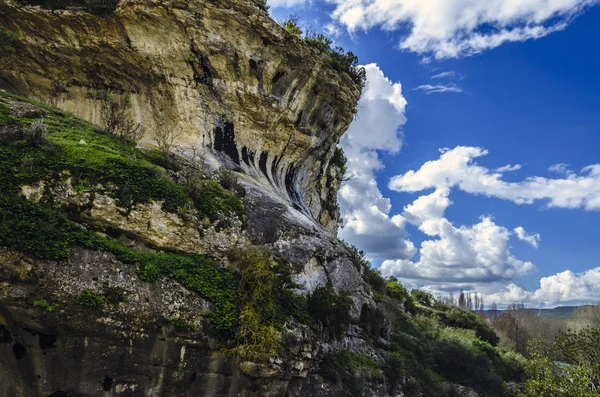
(454,28)
(562,288)
(368,223)
(468,257)
(533,239)
(457,168)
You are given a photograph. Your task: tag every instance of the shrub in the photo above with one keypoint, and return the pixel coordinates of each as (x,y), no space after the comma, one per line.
(213,202)
(372,322)
(395,290)
(340,61)
(339,160)
(90,299)
(374,279)
(291,26)
(258,339)
(330,309)
(351,370)
(319,41)
(358,257)
(166,134)
(44,304)
(457,317)
(422,297)
(114,115)
(229,181)
(36,133)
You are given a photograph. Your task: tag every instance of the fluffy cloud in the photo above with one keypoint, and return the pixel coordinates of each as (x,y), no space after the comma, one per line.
(454,28)
(438,88)
(468,257)
(457,168)
(533,239)
(366,212)
(562,288)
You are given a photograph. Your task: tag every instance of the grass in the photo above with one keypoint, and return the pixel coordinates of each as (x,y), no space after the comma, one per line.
(44,231)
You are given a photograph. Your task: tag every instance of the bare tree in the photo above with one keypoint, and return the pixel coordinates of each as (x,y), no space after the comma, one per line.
(494,310)
(165,134)
(114,115)
(469,302)
(586,316)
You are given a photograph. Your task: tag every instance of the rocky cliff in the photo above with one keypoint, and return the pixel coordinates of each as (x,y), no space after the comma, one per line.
(208,266)
(210,271)
(221,73)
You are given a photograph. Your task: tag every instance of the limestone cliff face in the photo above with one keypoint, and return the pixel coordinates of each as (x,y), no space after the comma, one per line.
(221,73)
(249,96)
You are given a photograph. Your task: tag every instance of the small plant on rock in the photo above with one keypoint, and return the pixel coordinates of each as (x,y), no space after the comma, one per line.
(229,181)
(44,304)
(36,133)
(291,25)
(90,299)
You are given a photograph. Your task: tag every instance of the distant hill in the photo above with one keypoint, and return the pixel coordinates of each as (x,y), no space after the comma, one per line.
(565,312)
(557,312)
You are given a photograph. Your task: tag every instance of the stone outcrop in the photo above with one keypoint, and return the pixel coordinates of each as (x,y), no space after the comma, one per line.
(222,74)
(249,96)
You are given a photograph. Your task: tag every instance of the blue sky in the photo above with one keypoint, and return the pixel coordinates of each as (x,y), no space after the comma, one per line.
(530,102)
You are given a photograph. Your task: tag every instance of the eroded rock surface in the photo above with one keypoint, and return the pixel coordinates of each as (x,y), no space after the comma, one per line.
(222,73)
(251,98)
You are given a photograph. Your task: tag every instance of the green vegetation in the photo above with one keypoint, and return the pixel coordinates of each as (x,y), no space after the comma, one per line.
(330,310)
(567,366)
(44,304)
(353,371)
(339,60)
(459,318)
(339,160)
(291,27)
(43,231)
(343,62)
(213,201)
(36,133)
(422,297)
(90,299)
(258,339)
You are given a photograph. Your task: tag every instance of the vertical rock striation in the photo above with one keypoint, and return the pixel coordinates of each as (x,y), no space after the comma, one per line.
(222,73)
